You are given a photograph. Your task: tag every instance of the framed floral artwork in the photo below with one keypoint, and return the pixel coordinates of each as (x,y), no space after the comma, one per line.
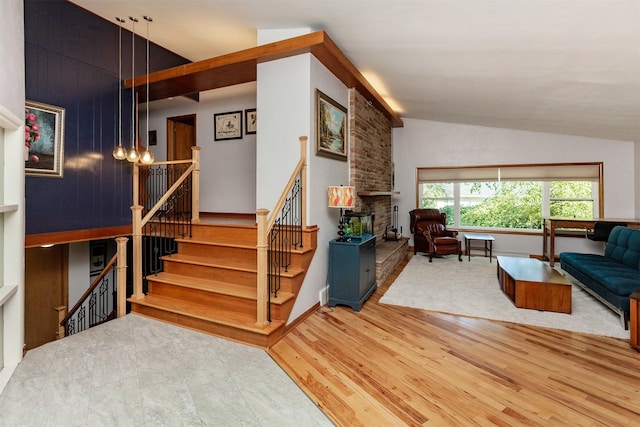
(43,139)
(331,128)
(250,121)
(227,125)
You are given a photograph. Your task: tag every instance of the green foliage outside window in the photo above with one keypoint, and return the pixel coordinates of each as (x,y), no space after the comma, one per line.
(509,204)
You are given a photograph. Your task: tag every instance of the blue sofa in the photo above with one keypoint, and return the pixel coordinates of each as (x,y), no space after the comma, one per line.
(611,277)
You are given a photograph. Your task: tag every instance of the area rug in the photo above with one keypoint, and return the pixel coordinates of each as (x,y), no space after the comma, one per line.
(470,288)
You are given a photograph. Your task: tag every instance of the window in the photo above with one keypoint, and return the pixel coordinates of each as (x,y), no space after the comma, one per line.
(511,196)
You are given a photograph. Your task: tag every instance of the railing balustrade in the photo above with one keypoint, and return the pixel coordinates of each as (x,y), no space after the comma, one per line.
(166,203)
(279,235)
(97,305)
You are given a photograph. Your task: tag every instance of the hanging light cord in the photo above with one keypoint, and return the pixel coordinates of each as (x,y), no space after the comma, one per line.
(120,20)
(133,150)
(148,19)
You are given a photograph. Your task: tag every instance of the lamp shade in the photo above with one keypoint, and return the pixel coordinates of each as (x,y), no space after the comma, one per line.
(341,197)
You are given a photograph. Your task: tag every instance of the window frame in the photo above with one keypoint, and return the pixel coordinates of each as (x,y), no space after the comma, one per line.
(544,172)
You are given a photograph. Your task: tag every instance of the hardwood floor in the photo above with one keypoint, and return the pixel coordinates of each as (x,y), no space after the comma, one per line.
(391,366)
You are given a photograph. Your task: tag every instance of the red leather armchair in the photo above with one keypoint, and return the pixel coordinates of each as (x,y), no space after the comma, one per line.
(430,234)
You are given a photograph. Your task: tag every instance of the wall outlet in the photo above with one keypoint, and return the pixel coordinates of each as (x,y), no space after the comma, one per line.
(324,296)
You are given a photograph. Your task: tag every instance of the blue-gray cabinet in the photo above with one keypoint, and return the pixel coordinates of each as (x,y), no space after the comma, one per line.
(352,271)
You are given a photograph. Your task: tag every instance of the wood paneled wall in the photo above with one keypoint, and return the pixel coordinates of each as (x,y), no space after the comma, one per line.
(71,60)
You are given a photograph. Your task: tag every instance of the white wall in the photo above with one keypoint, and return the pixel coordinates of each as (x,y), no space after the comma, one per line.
(423,143)
(12,98)
(286,106)
(222,162)
(636,168)
(79,277)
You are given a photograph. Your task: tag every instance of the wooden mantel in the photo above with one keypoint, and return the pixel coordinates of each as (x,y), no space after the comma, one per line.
(241,67)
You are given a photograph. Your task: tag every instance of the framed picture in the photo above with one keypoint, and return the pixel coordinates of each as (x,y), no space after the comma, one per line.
(98,258)
(153,137)
(331,128)
(250,121)
(227,125)
(44,139)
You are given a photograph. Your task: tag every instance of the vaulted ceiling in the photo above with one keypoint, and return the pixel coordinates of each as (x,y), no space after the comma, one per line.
(561,66)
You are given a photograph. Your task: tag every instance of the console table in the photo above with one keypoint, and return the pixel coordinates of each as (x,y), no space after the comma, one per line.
(550,225)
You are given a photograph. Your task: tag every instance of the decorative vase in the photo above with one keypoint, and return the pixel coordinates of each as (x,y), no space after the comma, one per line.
(26,153)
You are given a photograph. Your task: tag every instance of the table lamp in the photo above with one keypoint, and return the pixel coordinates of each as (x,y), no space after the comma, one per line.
(341,197)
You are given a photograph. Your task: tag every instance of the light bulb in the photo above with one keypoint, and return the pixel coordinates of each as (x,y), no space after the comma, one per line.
(133,155)
(119,153)
(146,157)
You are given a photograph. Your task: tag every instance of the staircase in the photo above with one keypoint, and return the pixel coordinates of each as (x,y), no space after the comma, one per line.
(210,285)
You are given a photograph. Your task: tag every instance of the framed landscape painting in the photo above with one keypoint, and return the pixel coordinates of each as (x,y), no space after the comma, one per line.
(331,128)
(44,139)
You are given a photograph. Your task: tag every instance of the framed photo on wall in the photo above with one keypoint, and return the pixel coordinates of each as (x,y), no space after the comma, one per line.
(44,139)
(227,125)
(331,128)
(153,137)
(250,121)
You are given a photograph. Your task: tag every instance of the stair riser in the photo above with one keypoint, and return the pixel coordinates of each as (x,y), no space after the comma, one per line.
(207,298)
(223,253)
(239,277)
(217,329)
(237,234)
(216,300)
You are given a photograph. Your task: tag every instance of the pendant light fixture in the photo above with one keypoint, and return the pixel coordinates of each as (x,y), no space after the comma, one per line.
(132,154)
(146,157)
(119,153)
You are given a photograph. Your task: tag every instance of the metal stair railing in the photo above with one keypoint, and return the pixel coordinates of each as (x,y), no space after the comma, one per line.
(105,299)
(166,199)
(278,234)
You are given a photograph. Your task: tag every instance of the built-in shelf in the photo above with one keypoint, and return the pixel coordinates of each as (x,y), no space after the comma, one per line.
(8,208)
(377,193)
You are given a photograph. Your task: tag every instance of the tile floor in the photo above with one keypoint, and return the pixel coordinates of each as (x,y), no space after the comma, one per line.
(135,371)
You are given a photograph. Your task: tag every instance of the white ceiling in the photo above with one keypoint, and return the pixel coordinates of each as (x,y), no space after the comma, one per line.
(560,66)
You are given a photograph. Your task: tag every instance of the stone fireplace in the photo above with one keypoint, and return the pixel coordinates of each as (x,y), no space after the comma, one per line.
(370,163)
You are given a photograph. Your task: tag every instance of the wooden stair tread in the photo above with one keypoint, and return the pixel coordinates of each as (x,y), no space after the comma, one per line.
(198,311)
(216,286)
(240,266)
(229,243)
(232,243)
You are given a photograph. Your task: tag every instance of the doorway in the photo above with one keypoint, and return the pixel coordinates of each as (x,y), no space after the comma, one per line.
(46,287)
(181,136)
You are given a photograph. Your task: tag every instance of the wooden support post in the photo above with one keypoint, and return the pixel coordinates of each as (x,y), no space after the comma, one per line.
(121,276)
(62,313)
(634,322)
(303,178)
(263,269)
(195,185)
(137,251)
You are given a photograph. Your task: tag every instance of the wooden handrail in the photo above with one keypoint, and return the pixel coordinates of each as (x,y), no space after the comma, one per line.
(91,288)
(166,195)
(173,162)
(138,222)
(296,172)
(265,226)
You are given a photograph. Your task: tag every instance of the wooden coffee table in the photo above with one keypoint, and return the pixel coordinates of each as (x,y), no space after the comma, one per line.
(530,283)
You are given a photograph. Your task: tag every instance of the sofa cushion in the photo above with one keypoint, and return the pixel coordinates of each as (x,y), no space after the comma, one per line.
(616,277)
(623,246)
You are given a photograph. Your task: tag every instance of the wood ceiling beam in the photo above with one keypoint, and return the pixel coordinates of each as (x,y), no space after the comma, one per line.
(241,67)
